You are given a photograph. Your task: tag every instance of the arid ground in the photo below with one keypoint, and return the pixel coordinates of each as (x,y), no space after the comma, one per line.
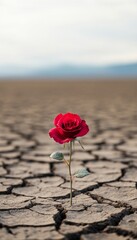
(34,190)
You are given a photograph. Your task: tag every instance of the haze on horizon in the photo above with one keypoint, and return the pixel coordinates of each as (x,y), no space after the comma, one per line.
(39,33)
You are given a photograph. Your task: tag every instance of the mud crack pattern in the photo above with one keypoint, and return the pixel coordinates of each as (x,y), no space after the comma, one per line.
(34,190)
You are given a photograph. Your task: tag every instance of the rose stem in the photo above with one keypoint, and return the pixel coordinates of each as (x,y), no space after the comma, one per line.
(70,175)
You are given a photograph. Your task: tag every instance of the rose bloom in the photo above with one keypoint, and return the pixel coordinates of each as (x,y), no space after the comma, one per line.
(68,127)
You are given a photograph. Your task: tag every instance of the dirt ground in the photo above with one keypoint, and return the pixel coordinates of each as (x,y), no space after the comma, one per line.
(34,190)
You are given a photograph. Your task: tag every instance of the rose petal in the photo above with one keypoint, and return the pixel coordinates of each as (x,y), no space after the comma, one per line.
(58,137)
(69,117)
(57,118)
(84,129)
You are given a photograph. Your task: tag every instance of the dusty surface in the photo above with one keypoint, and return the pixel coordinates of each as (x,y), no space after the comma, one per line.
(34,190)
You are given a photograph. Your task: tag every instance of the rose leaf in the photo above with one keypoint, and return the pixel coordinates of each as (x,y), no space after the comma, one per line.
(81,173)
(57,155)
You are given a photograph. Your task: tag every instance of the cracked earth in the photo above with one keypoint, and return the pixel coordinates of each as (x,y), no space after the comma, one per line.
(34,189)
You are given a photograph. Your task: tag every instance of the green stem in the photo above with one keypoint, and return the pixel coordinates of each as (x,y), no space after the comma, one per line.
(70,175)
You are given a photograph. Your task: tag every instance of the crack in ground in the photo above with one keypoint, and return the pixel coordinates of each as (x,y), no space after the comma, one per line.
(116,204)
(60,216)
(121,232)
(96,227)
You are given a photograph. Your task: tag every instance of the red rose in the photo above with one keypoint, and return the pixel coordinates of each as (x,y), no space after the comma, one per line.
(68,127)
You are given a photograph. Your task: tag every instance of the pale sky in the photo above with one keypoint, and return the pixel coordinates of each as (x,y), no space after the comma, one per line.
(37,33)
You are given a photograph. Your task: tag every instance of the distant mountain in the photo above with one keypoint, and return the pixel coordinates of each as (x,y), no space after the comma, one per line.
(123,70)
(76,71)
